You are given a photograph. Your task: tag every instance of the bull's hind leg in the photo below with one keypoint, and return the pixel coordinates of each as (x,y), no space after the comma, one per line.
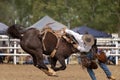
(41,65)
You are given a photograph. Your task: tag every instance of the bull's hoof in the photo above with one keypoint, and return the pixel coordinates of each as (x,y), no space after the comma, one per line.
(50,72)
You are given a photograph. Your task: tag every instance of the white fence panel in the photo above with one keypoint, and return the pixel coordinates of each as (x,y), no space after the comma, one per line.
(100,41)
(109,41)
(16,46)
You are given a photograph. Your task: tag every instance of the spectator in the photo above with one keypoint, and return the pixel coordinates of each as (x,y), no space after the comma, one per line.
(46,61)
(111,59)
(2,57)
(28,60)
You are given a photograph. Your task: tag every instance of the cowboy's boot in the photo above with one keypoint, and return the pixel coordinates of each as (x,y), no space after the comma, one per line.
(111,78)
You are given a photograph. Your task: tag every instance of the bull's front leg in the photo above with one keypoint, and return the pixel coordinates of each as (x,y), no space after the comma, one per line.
(53,62)
(62,62)
(41,65)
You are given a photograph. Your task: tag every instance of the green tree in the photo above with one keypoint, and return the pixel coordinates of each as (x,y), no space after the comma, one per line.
(102,15)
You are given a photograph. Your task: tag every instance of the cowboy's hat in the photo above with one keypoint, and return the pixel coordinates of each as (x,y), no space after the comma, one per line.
(88,39)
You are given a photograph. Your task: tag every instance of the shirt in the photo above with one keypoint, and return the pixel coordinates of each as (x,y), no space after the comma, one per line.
(82,47)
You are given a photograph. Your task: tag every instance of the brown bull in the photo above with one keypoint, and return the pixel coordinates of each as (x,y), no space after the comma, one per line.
(32,42)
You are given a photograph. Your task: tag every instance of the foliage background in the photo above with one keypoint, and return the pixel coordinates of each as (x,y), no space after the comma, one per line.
(103,15)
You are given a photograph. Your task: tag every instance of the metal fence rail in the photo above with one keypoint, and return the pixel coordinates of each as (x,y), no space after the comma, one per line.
(104,41)
(15,47)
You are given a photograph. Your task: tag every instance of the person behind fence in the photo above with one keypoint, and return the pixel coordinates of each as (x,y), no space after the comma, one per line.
(85,41)
(101,64)
(110,59)
(2,57)
(28,60)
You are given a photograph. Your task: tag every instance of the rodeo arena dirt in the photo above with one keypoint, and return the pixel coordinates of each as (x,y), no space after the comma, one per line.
(73,72)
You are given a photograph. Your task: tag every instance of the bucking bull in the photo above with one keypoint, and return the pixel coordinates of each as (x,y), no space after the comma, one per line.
(49,42)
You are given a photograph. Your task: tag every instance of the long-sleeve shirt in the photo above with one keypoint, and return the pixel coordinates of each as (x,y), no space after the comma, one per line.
(82,47)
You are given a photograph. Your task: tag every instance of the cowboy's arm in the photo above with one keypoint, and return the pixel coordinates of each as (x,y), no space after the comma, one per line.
(84,48)
(81,47)
(74,34)
(71,32)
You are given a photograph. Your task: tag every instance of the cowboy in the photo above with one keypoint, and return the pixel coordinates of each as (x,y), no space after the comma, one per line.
(85,41)
(102,65)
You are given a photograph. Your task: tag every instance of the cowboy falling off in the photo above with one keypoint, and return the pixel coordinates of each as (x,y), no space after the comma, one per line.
(85,43)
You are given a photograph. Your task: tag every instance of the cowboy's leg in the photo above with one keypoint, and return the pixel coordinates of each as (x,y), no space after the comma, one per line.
(105,69)
(91,73)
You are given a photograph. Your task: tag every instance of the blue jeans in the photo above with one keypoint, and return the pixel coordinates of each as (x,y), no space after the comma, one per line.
(102,65)
(112,59)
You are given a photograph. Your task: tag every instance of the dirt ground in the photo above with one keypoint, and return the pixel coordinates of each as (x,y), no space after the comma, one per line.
(73,72)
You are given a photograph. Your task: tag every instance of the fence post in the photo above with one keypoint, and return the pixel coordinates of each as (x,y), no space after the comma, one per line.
(15,57)
(117,51)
